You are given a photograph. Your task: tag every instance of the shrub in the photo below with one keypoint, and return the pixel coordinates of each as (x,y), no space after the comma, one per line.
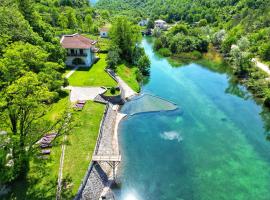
(112,90)
(165,52)
(196,54)
(265,52)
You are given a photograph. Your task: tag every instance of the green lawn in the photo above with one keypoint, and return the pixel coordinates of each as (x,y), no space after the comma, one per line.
(129,76)
(81,143)
(95,76)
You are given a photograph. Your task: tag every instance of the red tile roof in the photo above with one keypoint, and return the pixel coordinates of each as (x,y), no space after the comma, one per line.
(77,41)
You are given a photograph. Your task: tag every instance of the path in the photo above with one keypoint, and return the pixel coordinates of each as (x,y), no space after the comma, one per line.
(261,65)
(84,93)
(71,72)
(128,92)
(60,173)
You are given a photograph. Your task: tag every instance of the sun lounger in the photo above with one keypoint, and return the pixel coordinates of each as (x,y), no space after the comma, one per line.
(81,102)
(46,151)
(46,140)
(43,146)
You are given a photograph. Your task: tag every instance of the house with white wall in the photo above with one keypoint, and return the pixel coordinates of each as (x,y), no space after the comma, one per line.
(81,51)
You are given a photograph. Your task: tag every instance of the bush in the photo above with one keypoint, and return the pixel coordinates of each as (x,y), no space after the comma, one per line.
(157,44)
(112,90)
(196,54)
(165,52)
(265,52)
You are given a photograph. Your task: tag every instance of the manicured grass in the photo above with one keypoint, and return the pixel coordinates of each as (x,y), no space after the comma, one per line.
(95,76)
(129,76)
(81,143)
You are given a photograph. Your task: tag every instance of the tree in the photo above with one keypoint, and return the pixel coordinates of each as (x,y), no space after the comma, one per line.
(63,21)
(150,24)
(88,23)
(23,102)
(72,20)
(113,57)
(20,58)
(241,60)
(15,27)
(265,52)
(124,35)
(144,65)
(219,37)
(243,43)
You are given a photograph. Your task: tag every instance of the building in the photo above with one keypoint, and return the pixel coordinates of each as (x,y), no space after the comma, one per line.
(143,22)
(161,24)
(104,32)
(81,51)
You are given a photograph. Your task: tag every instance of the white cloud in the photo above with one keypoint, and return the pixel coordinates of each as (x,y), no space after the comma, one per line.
(171,135)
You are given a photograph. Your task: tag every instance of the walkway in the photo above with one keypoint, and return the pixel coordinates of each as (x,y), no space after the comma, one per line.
(128,92)
(106,156)
(261,65)
(71,72)
(84,93)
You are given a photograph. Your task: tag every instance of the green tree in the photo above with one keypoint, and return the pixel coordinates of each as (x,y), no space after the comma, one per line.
(265,52)
(124,35)
(88,23)
(144,65)
(23,103)
(72,20)
(113,57)
(63,21)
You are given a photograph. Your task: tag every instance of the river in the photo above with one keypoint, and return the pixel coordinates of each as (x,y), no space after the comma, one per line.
(214,147)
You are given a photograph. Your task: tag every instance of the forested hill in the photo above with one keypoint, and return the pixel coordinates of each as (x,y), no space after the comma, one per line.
(250,18)
(189,10)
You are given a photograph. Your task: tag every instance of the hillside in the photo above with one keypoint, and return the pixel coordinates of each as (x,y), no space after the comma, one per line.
(249,18)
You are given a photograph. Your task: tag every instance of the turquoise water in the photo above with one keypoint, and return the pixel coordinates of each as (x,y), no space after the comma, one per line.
(93,2)
(215,148)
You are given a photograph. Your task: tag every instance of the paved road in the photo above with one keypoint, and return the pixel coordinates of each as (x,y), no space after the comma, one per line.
(128,92)
(84,93)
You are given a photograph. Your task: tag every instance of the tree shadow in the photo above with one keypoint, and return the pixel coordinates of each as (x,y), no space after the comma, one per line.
(41,180)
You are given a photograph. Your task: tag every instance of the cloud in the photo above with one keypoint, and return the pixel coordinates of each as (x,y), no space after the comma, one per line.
(171,135)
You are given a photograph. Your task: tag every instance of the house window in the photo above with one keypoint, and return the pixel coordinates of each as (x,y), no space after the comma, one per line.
(72,51)
(81,51)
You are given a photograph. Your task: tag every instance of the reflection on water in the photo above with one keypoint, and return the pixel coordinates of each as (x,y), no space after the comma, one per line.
(215,149)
